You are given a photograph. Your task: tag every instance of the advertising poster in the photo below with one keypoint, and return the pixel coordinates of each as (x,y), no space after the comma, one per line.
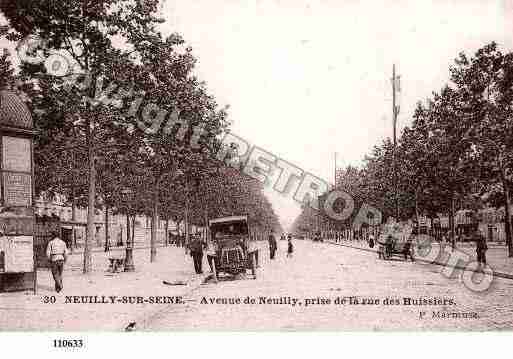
(18,254)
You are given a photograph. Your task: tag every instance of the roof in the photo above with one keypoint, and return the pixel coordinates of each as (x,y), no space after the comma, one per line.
(13,111)
(228,219)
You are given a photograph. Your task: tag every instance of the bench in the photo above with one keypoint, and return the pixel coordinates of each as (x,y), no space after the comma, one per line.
(115,264)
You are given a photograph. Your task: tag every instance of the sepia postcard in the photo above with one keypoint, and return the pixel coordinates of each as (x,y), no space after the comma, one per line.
(256,165)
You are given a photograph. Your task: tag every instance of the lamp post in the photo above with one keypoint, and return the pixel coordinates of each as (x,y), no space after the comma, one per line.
(129,258)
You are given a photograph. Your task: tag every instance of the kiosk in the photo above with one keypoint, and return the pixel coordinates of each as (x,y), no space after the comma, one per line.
(17,258)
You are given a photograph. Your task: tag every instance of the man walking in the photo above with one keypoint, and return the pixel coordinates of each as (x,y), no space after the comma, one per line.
(196,249)
(57,253)
(481,249)
(273,246)
(290,247)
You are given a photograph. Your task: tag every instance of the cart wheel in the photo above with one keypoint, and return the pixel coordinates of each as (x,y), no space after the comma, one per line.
(253,265)
(214,269)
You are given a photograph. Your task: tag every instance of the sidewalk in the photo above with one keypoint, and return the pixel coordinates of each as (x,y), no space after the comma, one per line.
(496,255)
(26,311)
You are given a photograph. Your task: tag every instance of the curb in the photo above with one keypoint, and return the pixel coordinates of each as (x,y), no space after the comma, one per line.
(145,319)
(495,273)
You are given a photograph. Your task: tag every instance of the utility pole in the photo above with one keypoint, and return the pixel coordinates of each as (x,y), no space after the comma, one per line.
(335,172)
(334,179)
(395,111)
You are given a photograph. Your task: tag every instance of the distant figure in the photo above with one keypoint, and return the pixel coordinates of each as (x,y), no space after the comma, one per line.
(273,246)
(481,249)
(290,247)
(57,253)
(443,240)
(2,261)
(389,245)
(119,241)
(371,240)
(196,250)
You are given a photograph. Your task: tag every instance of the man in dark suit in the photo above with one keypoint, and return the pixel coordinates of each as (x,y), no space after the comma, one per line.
(273,245)
(481,249)
(196,249)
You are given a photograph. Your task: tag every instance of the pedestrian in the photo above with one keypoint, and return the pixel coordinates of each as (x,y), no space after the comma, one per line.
(57,254)
(196,251)
(389,245)
(253,248)
(119,241)
(211,254)
(481,249)
(443,241)
(273,246)
(371,240)
(290,247)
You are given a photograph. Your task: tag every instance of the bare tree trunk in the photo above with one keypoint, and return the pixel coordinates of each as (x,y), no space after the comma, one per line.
(507,220)
(127,229)
(417,205)
(133,231)
(73,220)
(166,234)
(186,215)
(154,224)
(451,223)
(178,232)
(107,239)
(91,200)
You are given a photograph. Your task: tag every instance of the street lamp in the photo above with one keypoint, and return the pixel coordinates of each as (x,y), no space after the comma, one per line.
(129,257)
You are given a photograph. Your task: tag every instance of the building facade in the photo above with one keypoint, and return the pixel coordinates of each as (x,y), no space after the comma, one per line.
(73,232)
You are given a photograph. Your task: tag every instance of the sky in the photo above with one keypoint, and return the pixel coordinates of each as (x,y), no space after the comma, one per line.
(305,79)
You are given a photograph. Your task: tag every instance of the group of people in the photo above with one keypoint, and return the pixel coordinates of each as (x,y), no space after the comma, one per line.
(273,245)
(176,239)
(196,248)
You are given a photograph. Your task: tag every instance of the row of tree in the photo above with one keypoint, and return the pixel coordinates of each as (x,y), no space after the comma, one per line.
(457,153)
(125,125)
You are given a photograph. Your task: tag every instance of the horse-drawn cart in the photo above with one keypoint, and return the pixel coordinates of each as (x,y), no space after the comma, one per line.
(392,246)
(396,239)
